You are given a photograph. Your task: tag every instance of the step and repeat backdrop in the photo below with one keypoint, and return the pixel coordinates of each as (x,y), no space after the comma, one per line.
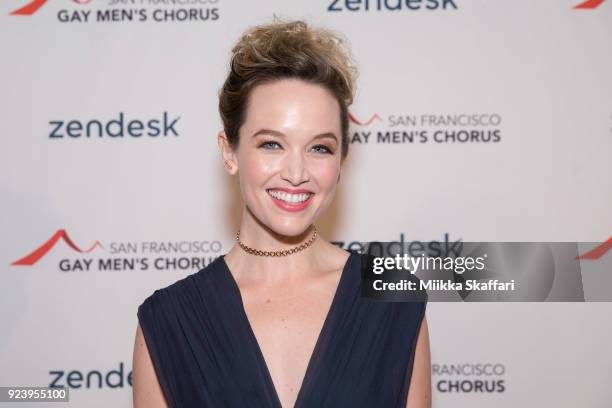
(474,120)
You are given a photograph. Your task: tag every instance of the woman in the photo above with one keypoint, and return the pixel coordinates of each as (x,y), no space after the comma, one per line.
(278,320)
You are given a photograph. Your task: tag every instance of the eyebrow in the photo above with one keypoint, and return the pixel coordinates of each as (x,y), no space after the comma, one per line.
(281,134)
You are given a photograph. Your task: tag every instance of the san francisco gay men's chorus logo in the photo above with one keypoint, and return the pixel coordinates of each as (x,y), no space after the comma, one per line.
(134,11)
(189,255)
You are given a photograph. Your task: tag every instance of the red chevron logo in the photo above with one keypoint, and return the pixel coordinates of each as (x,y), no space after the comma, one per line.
(598,251)
(33,6)
(29,9)
(366,123)
(589,4)
(42,250)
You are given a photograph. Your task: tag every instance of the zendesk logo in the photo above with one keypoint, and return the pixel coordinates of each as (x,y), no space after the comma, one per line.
(390,5)
(114,128)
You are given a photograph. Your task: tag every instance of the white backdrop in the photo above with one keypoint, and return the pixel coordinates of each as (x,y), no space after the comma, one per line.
(152,208)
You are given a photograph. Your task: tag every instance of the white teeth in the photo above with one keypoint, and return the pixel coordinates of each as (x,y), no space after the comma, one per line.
(290,198)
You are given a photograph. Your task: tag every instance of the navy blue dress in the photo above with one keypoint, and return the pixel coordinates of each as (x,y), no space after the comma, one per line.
(205,353)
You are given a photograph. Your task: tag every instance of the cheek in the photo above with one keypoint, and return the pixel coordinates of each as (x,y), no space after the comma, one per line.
(326,174)
(255,170)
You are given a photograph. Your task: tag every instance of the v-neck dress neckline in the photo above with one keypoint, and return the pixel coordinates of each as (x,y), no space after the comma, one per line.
(316,352)
(205,352)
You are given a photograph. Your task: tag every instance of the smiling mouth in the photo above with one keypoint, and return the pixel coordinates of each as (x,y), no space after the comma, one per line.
(290,198)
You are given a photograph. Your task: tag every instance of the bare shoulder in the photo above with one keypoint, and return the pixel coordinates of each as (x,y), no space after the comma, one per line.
(146,391)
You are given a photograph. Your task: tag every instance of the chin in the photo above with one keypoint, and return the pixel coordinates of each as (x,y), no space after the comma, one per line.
(289,227)
(287,223)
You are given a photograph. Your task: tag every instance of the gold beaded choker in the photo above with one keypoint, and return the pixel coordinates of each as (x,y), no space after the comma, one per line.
(283,252)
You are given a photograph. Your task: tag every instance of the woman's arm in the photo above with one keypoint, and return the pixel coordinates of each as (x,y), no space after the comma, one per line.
(146,391)
(419,393)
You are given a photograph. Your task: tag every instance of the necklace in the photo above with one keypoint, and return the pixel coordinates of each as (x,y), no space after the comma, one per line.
(283,252)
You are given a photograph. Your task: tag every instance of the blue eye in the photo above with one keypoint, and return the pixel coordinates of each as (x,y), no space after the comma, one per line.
(266,144)
(272,145)
(325,149)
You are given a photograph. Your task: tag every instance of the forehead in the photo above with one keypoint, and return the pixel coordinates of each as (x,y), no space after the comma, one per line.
(292,105)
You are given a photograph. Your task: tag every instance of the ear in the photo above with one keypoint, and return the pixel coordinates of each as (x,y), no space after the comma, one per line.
(228,156)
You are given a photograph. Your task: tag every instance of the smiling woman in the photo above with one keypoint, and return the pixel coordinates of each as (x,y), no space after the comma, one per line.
(278,321)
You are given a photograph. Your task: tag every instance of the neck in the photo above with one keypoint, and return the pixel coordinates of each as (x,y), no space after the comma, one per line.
(258,236)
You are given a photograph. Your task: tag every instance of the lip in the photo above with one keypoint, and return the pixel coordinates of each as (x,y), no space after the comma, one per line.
(283,205)
(291,190)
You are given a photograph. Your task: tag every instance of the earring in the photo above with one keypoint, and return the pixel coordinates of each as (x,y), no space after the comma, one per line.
(227,164)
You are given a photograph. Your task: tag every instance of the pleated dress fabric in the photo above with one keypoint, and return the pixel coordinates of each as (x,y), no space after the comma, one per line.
(205,353)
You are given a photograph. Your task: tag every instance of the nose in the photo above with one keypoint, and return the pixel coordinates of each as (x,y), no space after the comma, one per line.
(295,169)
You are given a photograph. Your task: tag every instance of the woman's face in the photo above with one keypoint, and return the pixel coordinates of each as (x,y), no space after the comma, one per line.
(289,157)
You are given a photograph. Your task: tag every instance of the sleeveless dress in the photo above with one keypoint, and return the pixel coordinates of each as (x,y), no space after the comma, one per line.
(205,352)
